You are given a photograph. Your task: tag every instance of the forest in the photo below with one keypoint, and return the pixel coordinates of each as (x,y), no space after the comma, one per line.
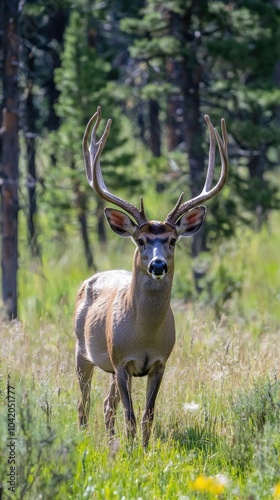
(156,69)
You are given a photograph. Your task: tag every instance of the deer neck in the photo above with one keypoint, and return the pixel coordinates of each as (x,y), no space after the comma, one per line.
(150,297)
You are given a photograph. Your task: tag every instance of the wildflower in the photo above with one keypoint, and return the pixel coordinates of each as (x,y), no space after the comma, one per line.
(276,491)
(206,484)
(222,479)
(191,407)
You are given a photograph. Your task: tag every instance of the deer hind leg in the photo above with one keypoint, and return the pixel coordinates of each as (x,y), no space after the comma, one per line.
(110,407)
(154,380)
(124,385)
(84,371)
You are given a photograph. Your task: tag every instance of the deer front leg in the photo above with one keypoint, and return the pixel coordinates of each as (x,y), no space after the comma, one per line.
(154,380)
(84,372)
(124,384)
(110,406)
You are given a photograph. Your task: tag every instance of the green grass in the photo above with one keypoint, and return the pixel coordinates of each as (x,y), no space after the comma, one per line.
(226,361)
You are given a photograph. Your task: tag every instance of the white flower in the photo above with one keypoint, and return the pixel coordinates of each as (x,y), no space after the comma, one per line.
(222,479)
(191,407)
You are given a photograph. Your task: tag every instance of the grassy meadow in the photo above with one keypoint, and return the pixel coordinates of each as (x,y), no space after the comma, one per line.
(217,423)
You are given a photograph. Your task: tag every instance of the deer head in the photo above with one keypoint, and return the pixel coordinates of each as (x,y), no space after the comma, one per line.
(155,240)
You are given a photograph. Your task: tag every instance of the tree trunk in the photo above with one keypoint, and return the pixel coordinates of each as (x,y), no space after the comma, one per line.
(256,171)
(155,142)
(81,204)
(174,135)
(9,198)
(101,231)
(186,75)
(82,217)
(31,155)
(54,30)
(141,122)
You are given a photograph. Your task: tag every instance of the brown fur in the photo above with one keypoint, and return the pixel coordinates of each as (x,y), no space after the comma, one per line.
(124,325)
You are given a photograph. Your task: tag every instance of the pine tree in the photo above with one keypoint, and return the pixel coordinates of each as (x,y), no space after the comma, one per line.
(83,81)
(218,58)
(245,50)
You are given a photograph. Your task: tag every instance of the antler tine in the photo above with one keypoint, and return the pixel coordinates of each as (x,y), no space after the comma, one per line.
(172,216)
(207,193)
(85,142)
(94,173)
(211,159)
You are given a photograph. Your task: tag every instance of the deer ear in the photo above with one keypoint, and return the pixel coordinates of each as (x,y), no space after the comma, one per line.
(191,221)
(120,222)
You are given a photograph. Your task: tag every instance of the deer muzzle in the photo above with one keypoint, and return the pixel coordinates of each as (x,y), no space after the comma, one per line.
(157,268)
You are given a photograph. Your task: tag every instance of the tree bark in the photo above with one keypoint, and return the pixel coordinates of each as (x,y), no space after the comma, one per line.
(82,218)
(81,204)
(31,155)
(174,106)
(155,140)
(256,168)
(101,231)
(9,192)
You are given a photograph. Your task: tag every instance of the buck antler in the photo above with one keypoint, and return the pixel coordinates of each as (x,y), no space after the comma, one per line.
(206,192)
(94,174)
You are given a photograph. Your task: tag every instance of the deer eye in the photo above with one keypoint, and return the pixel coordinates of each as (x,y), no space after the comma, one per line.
(173,242)
(140,242)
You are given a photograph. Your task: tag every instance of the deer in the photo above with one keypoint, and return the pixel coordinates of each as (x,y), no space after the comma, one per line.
(123,320)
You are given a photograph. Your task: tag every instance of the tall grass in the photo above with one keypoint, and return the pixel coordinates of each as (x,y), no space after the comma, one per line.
(217,415)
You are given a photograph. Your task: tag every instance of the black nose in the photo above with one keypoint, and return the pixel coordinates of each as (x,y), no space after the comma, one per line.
(157,267)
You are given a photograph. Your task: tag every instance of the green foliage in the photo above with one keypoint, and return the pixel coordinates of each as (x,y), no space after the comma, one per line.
(256,424)
(38,445)
(82,81)
(81,67)
(236,46)
(57,461)
(219,286)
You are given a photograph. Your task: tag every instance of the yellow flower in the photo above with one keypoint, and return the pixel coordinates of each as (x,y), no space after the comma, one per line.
(276,491)
(210,485)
